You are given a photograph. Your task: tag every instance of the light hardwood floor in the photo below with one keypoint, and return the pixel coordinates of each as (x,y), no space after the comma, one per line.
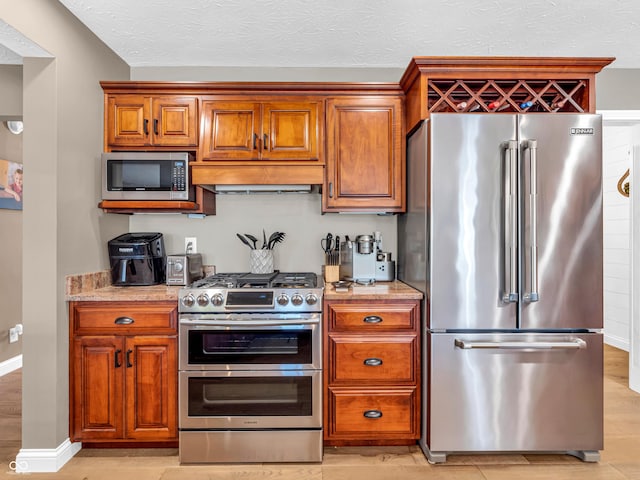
(620,457)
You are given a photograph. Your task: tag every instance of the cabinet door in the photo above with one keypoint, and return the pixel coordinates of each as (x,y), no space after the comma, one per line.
(175,121)
(151,388)
(290,131)
(365,161)
(97,396)
(230,130)
(127,120)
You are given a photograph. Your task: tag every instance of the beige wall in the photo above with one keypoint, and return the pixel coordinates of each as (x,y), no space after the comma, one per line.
(10,92)
(63,231)
(618,89)
(10,238)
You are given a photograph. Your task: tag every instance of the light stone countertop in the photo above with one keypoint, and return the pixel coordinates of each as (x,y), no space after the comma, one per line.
(96,288)
(395,290)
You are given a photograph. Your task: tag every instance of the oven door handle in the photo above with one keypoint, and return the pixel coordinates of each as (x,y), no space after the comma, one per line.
(242,323)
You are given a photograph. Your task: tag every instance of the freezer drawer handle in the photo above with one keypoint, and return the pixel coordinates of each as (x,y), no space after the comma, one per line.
(373,414)
(372,319)
(373,362)
(578,343)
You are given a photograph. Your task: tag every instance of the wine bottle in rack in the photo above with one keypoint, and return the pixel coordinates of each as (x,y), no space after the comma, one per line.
(555,106)
(461,106)
(475,107)
(494,105)
(526,105)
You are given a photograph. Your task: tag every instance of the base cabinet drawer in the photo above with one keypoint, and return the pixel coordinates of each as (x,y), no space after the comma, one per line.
(381,360)
(386,414)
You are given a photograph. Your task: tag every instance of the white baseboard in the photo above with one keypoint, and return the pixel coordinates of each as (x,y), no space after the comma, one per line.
(618,342)
(10,365)
(30,460)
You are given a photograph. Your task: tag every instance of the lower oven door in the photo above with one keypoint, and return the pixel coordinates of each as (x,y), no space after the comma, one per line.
(250,400)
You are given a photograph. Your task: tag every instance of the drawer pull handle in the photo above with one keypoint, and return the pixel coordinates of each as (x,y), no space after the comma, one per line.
(123,321)
(118,364)
(373,362)
(372,319)
(372,414)
(129,364)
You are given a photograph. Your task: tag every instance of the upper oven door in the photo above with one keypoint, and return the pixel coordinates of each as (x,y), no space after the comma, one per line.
(250,342)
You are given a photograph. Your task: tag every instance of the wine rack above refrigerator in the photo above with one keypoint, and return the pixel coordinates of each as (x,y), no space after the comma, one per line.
(499,85)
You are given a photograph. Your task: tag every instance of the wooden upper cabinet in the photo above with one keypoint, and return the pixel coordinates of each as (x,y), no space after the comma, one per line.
(254,130)
(143,121)
(365,165)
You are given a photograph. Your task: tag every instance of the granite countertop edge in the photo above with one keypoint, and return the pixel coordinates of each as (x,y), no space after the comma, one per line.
(97,287)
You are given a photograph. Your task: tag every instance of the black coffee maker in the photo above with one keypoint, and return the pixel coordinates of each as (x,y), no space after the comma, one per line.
(137,259)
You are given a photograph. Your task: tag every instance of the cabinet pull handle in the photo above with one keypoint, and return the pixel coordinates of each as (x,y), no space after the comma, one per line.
(155,126)
(330,189)
(265,142)
(372,414)
(255,141)
(373,362)
(129,364)
(123,321)
(145,126)
(117,356)
(372,319)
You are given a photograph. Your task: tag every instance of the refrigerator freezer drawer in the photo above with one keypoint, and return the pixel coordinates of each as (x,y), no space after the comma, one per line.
(515,392)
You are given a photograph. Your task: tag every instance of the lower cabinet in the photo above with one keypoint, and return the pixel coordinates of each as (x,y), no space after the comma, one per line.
(372,372)
(123,372)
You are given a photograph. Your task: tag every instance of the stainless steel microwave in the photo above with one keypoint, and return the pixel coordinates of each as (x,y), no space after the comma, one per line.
(146,176)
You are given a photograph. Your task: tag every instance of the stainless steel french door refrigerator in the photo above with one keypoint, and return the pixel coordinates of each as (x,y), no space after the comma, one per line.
(503,234)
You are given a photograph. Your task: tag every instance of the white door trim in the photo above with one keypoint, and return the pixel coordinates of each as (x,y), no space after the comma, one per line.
(632,117)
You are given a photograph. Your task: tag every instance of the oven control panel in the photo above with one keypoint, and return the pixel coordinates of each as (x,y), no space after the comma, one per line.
(225,300)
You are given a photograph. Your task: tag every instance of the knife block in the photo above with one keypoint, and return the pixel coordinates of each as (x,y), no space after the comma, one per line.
(331,273)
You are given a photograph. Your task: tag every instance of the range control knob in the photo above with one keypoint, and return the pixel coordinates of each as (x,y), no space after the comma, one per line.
(297,299)
(311,299)
(188,301)
(203,300)
(282,299)
(217,299)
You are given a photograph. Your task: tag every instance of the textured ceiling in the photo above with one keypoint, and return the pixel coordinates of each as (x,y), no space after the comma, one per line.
(358,33)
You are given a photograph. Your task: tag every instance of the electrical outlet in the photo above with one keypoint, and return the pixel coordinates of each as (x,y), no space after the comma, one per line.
(190,245)
(13,335)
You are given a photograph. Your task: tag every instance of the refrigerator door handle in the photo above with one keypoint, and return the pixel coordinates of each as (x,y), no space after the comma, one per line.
(510,294)
(532,147)
(576,344)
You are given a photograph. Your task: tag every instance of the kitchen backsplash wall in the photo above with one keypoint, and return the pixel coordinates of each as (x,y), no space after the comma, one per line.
(298,215)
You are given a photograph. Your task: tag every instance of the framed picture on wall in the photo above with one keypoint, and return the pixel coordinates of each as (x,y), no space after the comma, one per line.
(11,174)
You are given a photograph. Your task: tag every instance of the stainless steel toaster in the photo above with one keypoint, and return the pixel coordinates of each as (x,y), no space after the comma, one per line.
(184,269)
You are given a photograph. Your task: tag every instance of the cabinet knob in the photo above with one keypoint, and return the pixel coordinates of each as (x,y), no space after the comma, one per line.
(372,414)
(372,319)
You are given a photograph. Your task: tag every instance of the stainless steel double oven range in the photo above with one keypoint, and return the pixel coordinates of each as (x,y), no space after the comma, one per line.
(250,368)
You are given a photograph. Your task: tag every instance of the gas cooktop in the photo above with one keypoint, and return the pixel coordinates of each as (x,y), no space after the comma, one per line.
(258,280)
(280,292)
